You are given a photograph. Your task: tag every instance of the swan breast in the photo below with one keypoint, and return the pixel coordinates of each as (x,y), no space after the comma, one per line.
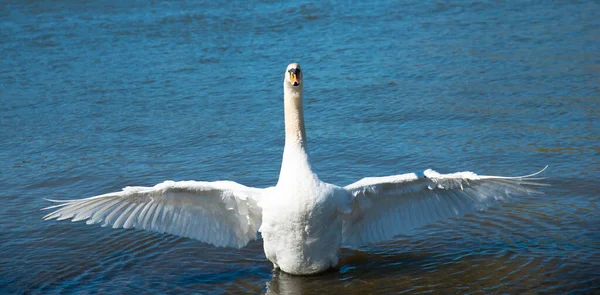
(302,229)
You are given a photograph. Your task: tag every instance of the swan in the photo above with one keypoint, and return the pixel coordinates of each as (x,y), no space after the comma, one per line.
(303,221)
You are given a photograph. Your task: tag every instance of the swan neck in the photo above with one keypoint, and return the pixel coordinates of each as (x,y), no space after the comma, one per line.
(294,165)
(295,133)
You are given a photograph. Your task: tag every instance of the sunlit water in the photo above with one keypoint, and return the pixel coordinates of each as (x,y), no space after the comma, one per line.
(99,95)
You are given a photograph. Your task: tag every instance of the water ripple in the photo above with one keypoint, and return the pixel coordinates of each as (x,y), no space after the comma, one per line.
(97,96)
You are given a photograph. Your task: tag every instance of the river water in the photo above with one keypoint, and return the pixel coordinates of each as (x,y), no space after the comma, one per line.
(98,95)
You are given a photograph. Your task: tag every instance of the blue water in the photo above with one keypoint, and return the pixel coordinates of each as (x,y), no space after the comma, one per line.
(98,95)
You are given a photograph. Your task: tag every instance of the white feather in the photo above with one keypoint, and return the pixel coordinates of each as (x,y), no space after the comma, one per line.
(422,200)
(169,207)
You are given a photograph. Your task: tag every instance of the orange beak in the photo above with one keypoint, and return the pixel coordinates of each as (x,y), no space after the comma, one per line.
(294,78)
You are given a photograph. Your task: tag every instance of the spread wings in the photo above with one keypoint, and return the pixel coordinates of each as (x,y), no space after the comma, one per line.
(383,207)
(222,213)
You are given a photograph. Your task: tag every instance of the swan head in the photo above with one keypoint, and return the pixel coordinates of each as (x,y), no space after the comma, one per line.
(293,76)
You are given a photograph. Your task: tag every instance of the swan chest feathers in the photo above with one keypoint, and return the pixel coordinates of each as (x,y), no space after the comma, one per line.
(301,226)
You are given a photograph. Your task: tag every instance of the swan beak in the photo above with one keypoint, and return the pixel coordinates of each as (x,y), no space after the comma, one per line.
(294,79)
(294,76)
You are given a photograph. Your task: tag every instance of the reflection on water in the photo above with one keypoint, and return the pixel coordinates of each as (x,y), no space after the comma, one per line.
(464,272)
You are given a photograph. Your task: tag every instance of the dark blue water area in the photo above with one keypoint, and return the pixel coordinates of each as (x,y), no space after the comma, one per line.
(99,95)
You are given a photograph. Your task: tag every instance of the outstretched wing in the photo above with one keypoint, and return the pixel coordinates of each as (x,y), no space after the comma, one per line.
(222,213)
(383,207)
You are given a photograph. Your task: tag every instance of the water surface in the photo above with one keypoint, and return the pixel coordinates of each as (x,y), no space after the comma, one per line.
(98,95)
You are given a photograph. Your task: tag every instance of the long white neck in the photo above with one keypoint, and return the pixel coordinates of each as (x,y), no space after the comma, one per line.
(295,165)
(295,133)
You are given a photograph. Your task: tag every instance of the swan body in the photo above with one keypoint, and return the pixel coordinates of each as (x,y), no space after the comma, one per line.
(301,227)
(303,221)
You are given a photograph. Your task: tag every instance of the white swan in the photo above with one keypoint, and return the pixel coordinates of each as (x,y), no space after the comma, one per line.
(303,220)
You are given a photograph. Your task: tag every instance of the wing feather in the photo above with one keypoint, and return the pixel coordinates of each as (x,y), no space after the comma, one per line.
(387,206)
(222,213)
